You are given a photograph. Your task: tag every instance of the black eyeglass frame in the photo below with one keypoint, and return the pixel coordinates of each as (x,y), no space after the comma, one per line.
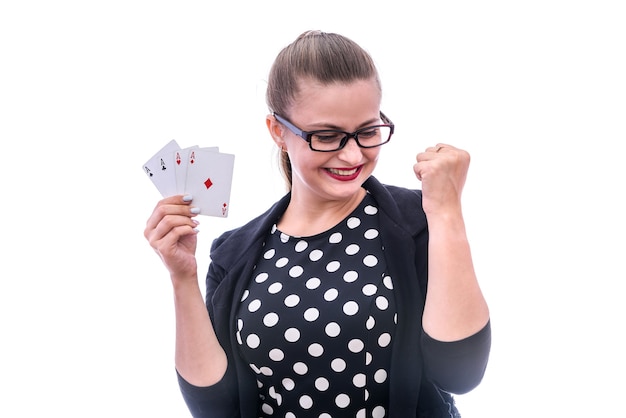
(306,135)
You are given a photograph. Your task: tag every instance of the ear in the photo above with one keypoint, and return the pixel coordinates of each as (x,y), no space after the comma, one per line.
(276,130)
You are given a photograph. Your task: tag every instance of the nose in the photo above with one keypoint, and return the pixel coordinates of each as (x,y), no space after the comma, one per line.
(351,152)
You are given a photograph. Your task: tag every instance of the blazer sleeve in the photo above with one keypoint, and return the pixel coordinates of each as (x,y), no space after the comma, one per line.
(216,401)
(457,366)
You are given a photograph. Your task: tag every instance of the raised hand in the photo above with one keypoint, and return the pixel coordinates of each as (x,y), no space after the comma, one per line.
(442,169)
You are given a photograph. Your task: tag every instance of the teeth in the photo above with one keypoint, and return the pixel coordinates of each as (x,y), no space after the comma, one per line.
(343,172)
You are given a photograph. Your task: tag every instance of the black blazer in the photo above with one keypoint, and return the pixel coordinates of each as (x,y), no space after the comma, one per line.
(417,359)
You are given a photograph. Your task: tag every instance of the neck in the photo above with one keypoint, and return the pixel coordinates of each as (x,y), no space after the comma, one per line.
(304,217)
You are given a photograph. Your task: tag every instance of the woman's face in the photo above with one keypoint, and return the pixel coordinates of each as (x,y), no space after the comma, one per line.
(335,175)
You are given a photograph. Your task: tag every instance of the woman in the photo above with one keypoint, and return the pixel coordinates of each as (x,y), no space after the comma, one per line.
(347,298)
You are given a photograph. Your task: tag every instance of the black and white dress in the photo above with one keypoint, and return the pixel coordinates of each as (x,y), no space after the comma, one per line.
(316,323)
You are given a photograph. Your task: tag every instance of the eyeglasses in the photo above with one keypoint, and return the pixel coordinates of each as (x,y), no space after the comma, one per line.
(328,140)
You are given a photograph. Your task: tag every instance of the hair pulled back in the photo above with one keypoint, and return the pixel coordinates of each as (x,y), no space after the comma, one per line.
(324,57)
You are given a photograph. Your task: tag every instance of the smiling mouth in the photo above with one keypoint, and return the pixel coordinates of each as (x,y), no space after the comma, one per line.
(338,172)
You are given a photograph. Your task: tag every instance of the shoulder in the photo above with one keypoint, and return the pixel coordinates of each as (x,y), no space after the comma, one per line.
(401,196)
(402,205)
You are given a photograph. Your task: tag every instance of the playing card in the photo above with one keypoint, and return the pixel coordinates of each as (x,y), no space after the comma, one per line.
(160,169)
(181,160)
(209,180)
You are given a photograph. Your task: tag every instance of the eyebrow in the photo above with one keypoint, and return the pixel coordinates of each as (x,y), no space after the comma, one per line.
(322,125)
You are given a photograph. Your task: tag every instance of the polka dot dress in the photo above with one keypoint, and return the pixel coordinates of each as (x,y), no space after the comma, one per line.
(316,322)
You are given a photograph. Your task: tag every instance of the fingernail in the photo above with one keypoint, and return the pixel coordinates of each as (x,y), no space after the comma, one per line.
(195,210)
(187,198)
(195,221)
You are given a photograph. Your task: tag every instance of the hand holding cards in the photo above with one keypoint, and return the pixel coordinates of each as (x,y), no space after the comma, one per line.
(204,173)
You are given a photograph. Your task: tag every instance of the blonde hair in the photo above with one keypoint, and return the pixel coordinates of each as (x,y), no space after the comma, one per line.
(324,57)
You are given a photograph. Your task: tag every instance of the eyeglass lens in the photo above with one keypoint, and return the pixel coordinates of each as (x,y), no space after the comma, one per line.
(333,140)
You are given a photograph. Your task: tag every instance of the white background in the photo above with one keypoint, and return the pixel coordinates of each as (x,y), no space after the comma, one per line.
(535,90)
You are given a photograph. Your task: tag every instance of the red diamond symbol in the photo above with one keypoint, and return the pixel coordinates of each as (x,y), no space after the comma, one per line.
(208,183)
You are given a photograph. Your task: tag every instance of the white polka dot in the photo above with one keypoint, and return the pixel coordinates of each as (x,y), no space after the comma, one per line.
(333,266)
(335,238)
(275,288)
(353,222)
(332,329)
(292,300)
(369,289)
(273,229)
(284,237)
(245,295)
(367,394)
(239,324)
(270,319)
(325,415)
(253,341)
(277,396)
(292,335)
(267,409)
(290,415)
(342,400)
(238,334)
(361,413)
(356,345)
(350,276)
(388,283)
(261,277)
(368,359)
(382,303)
(256,370)
(288,384)
(371,234)
(369,324)
(338,365)
(269,254)
(296,271)
(306,402)
(352,249)
(311,314)
(276,354)
(330,295)
(313,283)
(371,210)
(315,255)
(254,305)
(359,380)
(384,339)
(300,368)
(266,371)
(322,384)
(282,262)
(378,412)
(350,308)
(395,319)
(301,246)
(370,260)
(316,350)
(380,376)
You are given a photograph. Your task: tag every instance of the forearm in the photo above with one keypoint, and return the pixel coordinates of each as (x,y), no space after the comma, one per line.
(455,307)
(199,357)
